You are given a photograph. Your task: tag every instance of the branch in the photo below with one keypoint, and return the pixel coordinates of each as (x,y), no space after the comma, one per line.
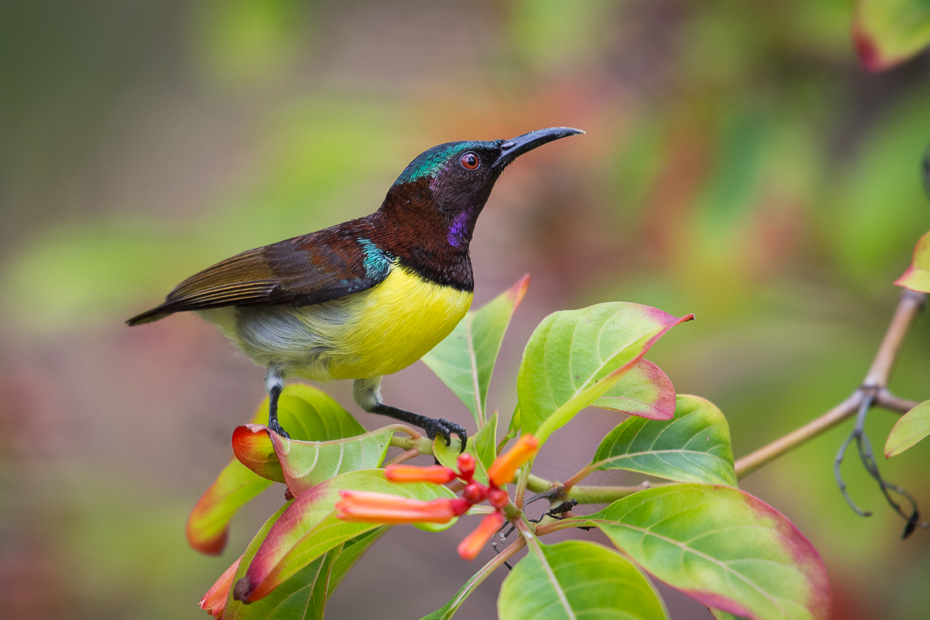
(762,456)
(874,387)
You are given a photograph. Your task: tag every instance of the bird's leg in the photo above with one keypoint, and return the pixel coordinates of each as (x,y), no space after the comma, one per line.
(367,394)
(274,383)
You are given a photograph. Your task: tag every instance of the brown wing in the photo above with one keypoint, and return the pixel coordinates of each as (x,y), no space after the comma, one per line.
(306,270)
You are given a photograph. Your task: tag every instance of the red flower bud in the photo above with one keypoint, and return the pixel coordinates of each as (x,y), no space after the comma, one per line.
(472,544)
(466,465)
(412,473)
(498,498)
(474,492)
(367,507)
(506,465)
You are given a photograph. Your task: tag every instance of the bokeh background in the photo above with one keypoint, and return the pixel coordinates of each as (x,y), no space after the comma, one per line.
(738,164)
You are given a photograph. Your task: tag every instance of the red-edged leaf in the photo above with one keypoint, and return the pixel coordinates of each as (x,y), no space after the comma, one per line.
(694,446)
(308,463)
(575,357)
(208,524)
(644,391)
(309,528)
(253,448)
(912,427)
(889,32)
(307,413)
(214,601)
(917,276)
(304,464)
(721,546)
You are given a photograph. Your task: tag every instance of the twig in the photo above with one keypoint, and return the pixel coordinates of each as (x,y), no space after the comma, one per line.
(404,456)
(873,391)
(762,456)
(857,435)
(875,384)
(889,401)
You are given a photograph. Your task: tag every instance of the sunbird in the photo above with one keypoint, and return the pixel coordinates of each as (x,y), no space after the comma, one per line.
(367,297)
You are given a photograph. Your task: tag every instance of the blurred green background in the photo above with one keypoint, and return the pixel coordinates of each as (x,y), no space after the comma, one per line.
(738,164)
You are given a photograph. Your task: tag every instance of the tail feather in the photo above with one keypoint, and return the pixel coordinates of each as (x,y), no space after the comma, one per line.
(148,317)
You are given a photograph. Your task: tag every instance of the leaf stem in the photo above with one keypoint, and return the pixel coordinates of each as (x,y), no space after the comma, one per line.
(482,574)
(578,477)
(604,495)
(763,456)
(583,494)
(873,387)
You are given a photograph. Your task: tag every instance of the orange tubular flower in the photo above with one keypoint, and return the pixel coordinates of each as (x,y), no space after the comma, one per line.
(413,473)
(503,469)
(474,542)
(370,507)
(392,509)
(214,601)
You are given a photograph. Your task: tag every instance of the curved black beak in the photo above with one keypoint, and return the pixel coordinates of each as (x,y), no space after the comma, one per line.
(513,148)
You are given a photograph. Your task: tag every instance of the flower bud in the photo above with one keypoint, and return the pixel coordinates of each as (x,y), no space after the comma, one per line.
(466,465)
(412,473)
(506,465)
(472,544)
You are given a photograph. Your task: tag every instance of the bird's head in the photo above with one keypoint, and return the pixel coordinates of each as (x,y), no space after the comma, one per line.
(457,177)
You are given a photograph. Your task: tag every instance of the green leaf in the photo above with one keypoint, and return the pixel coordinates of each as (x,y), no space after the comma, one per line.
(304,464)
(485,442)
(208,524)
(644,391)
(577,579)
(889,32)
(465,359)
(911,428)
(917,276)
(309,528)
(305,594)
(574,357)
(692,447)
(721,546)
(482,446)
(307,413)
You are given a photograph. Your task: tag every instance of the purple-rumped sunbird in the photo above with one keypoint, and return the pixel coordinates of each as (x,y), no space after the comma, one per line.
(367,297)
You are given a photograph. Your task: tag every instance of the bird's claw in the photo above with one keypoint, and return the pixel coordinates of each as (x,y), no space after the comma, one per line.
(445,429)
(275,427)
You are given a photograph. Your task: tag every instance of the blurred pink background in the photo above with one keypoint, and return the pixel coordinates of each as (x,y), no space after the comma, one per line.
(738,164)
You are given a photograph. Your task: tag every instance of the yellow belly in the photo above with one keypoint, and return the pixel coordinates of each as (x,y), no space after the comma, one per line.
(398,322)
(367,334)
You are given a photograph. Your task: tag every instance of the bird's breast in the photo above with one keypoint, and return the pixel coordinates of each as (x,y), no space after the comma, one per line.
(367,334)
(395,323)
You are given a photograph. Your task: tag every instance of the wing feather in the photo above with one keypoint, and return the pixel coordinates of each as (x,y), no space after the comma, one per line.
(306,270)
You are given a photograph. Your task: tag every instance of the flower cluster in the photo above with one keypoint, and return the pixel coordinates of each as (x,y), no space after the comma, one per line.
(391,509)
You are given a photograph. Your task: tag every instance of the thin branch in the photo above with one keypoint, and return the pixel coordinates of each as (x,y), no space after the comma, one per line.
(889,401)
(910,305)
(762,456)
(583,494)
(404,456)
(874,385)
(578,477)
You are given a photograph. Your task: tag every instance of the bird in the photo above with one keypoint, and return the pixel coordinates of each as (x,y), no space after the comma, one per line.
(365,298)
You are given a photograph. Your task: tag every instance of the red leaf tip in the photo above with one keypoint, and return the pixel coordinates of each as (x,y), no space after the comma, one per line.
(867,50)
(518,291)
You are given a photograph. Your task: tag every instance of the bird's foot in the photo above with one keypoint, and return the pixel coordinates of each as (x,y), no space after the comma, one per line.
(275,427)
(445,429)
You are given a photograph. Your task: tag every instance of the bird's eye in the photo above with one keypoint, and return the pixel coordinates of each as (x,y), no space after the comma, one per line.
(470,161)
